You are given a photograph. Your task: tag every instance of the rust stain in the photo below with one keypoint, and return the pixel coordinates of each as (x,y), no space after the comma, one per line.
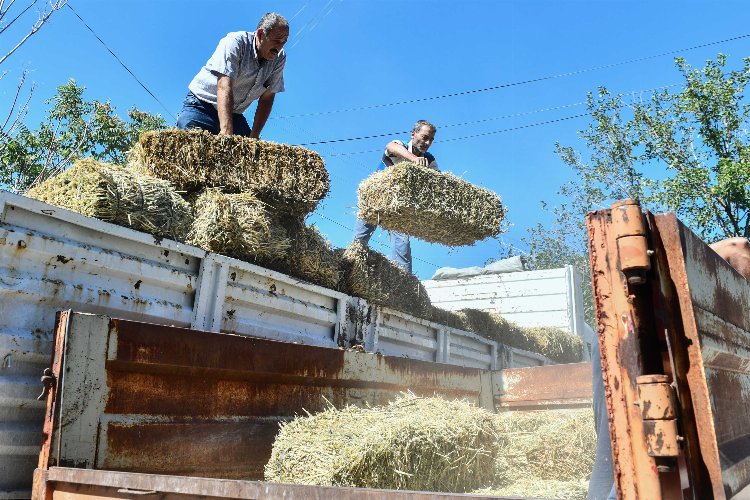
(227,450)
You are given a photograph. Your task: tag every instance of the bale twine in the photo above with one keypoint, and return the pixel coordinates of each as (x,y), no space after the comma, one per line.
(120,196)
(434,206)
(413,443)
(553,343)
(290,178)
(237,225)
(311,256)
(372,276)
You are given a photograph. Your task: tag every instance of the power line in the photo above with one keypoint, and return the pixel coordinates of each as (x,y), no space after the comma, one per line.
(511,129)
(121,63)
(484,120)
(514,84)
(473,122)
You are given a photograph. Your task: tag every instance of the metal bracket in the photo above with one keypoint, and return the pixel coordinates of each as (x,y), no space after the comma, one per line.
(49,381)
(632,245)
(658,409)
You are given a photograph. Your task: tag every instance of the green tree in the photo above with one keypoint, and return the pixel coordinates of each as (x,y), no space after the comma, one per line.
(686,152)
(73,128)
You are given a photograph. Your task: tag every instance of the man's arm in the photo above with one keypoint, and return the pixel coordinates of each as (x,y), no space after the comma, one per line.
(265,104)
(395,148)
(224,104)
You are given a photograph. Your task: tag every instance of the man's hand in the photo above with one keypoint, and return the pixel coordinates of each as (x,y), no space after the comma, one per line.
(421,161)
(224,104)
(397,149)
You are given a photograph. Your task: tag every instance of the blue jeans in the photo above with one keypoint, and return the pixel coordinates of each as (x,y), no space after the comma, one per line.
(602,481)
(200,114)
(400,246)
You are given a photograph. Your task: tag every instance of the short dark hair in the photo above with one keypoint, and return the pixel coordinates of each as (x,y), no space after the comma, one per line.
(271,20)
(423,123)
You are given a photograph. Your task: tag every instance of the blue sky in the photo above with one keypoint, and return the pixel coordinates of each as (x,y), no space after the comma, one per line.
(349,61)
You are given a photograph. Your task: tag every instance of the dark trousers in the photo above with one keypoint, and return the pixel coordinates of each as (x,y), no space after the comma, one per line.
(200,114)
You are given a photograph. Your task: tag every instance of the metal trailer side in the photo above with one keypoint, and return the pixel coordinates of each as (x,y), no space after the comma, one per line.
(145,400)
(674,332)
(53,259)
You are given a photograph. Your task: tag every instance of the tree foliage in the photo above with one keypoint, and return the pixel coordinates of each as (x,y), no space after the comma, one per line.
(73,128)
(686,152)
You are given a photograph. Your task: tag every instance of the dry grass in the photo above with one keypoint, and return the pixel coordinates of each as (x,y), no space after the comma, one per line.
(413,443)
(553,343)
(237,225)
(372,276)
(437,445)
(118,195)
(311,256)
(290,178)
(434,206)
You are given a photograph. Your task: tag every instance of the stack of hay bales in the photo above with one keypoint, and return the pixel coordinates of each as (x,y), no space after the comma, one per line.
(118,195)
(553,343)
(370,275)
(413,443)
(432,444)
(434,206)
(251,197)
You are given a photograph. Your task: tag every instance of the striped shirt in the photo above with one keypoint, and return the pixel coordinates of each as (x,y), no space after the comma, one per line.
(252,76)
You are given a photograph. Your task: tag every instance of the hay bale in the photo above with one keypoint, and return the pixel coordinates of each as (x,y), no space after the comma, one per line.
(237,225)
(311,256)
(290,178)
(372,276)
(118,195)
(554,343)
(434,206)
(413,443)
(554,445)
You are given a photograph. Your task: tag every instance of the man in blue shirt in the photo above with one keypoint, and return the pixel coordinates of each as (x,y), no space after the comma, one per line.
(415,151)
(246,66)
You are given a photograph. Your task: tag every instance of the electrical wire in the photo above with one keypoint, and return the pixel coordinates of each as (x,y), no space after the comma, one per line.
(514,84)
(120,61)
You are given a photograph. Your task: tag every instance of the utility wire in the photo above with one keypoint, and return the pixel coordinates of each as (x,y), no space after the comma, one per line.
(514,84)
(502,131)
(483,120)
(121,63)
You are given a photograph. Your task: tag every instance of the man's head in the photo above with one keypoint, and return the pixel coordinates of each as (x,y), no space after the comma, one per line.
(422,136)
(271,35)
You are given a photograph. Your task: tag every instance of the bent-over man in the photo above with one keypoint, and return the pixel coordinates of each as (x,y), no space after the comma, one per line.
(397,151)
(246,66)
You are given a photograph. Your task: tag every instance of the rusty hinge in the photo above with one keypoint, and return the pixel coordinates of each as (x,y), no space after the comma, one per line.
(632,244)
(658,409)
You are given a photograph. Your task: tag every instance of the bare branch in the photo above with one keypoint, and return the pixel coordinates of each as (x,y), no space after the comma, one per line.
(4,12)
(43,17)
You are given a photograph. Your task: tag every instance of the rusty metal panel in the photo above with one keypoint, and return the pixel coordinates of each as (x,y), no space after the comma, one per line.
(714,301)
(64,483)
(543,387)
(672,310)
(154,385)
(619,326)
